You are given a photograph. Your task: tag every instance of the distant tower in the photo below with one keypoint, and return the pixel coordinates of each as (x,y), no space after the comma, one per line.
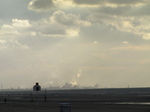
(37,87)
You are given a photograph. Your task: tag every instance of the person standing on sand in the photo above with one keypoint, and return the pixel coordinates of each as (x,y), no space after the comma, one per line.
(37,87)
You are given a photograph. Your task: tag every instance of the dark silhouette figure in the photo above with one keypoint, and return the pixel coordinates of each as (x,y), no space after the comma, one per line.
(37,87)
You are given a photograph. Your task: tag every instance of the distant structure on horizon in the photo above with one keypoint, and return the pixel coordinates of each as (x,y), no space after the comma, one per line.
(37,87)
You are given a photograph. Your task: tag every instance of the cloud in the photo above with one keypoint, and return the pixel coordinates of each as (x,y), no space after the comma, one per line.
(59,24)
(119,10)
(136,48)
(18,27)
(141,11)
(11,43)
(104,2)
(124,11)
(89,2)
(20,23)
(126,1)
(116,7)
(41,5)
(46,5)
(62,24)
(131,24)
(69,19)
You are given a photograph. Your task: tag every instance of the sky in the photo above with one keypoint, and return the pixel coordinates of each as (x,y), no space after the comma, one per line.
(81,42)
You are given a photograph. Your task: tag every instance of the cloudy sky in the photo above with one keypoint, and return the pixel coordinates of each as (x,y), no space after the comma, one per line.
(82,42)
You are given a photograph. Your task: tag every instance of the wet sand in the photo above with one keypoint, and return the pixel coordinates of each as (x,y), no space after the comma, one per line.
(80,100)
(75,107)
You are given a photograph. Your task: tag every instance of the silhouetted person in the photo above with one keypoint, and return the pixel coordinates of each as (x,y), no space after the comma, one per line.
(37,87)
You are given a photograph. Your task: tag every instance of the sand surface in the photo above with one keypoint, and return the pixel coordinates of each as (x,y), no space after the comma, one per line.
(101,100)
(84,107)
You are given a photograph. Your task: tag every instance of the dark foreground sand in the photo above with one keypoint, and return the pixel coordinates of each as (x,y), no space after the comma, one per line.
(100,100)
(80,107)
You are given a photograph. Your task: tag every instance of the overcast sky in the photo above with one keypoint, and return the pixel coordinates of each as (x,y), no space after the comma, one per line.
(82,42)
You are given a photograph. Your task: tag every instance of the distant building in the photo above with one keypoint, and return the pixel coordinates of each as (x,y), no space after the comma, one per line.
(37,87)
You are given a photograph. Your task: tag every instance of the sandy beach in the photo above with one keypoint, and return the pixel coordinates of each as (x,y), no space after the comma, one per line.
(54,107)
(101,100)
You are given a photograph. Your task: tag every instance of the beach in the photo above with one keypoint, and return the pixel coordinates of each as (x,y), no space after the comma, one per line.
(98,100)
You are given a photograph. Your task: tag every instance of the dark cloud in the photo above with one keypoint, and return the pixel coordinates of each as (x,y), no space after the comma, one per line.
(89,2)
(41,5)
(125,1)
(120,10)
(124,10)
(69,19)
(141,11)
(101,2)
